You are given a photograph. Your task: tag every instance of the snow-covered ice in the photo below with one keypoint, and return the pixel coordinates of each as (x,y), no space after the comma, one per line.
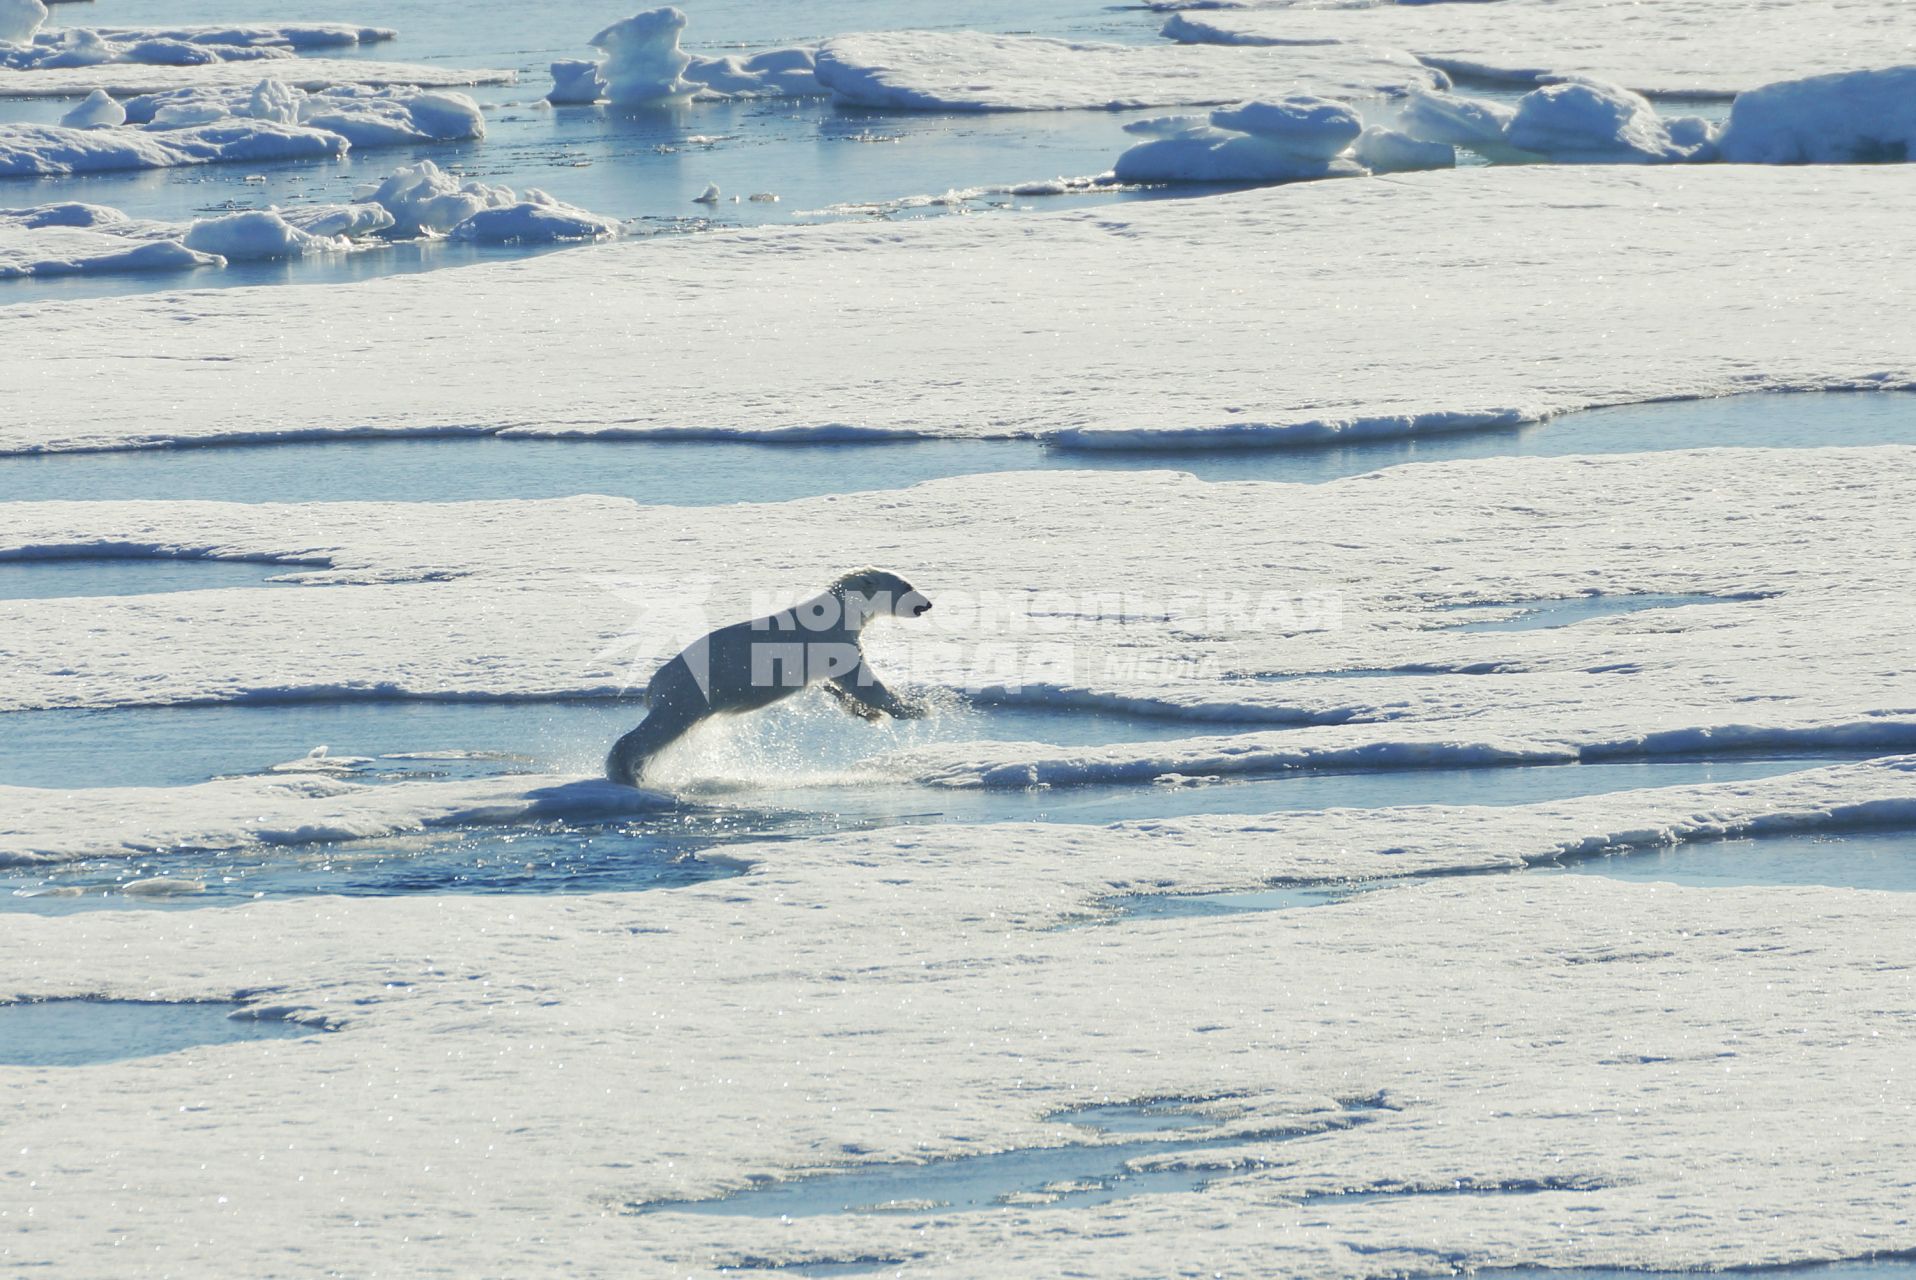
(901,996)
(258,234)
(42,150)
(970,71)
(19,19)
(1286,140)
(458,600)
(68,47)
(1706,47)
(1848,118)
(535,218)
(643,65)
(98,110)
(423,199)
(1384,150)
(270,120)
(55,250)
(125,80)
(365,117)
(1520,262)
(1589,122)
(643,62)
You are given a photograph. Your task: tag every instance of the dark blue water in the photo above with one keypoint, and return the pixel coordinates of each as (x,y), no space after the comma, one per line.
(73,1033)
(127,576)
(700,473)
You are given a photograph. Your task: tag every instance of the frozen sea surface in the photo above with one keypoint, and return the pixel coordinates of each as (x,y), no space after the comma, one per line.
(73,1033)
(700,473)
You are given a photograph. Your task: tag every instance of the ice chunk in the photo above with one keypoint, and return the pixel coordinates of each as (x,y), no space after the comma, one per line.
(1855,117)
(1315,128)
(60,249)
(775,73)
(537,219)
(1167,126)
(576,80)
(1592,122)
(1287,140)
(71,213)
(274,100)
(643,62)
(100,110)
(425,200)
(256,235)
(970,71)
(41,150)
(395,117)
(1476,123)
(353,221)
(19,19)
(1222,155)
(709,196)
(1387,151)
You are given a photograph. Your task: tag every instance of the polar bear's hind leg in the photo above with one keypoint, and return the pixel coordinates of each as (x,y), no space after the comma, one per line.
(662,726)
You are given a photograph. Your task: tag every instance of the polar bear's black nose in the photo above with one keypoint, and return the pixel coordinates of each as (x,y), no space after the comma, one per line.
(921,609)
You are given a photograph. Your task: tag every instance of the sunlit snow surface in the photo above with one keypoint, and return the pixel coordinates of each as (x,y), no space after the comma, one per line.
(1497,863)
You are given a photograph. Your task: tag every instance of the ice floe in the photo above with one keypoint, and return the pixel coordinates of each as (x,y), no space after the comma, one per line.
(1703,47)
(75,239)
(536,218)
(70,47)
(423,199)
(125,80)
(1586,121)
(970,71)
(271,120)
(1623,1035)
(1286,140)
(1856,117)
(1564,241)
(364,116)
(406,583)
(43,150)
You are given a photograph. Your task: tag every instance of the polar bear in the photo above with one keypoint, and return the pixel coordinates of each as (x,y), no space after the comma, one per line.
(750,665)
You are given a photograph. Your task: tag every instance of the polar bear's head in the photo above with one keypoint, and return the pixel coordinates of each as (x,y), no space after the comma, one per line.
(877,593)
